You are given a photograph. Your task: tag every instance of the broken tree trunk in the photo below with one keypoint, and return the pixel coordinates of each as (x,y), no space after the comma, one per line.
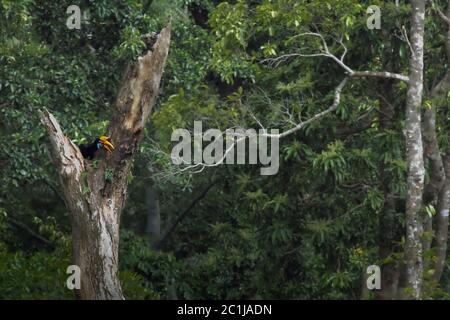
(95,195)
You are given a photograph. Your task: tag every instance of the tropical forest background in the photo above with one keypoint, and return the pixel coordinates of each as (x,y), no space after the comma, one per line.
(337,204)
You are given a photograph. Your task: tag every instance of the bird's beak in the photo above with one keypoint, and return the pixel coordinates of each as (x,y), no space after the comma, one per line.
(107,143)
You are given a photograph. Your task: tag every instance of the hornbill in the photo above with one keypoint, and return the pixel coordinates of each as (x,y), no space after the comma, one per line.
(89,150)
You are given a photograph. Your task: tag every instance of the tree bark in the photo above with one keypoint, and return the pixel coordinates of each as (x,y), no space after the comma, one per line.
(96,194)
(414,154)
(443,207)
(431,147)
(439,182)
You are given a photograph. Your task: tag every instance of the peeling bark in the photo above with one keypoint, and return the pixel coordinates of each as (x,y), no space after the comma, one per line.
(414,153)
(95,202)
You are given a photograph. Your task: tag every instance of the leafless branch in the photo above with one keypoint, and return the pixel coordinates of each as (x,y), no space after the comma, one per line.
(405,36)
(325,52)
(333,107)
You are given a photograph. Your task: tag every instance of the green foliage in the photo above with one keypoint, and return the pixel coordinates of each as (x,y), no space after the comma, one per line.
(41,275)
(131,46)
(307,233)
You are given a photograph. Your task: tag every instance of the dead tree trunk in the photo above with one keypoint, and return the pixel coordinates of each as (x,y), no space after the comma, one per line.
(95,195)
(414,153)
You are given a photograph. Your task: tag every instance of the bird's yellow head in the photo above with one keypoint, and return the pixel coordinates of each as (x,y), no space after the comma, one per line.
(106,143)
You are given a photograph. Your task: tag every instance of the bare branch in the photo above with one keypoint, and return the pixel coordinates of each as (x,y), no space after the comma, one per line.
(199,167)
(333,107)
(380,74)
(275,62)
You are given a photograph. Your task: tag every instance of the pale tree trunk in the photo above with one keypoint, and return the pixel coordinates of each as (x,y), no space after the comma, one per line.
(443,206)
(431,148)
(434,161)
(96,194)
(414,154)
(438,186)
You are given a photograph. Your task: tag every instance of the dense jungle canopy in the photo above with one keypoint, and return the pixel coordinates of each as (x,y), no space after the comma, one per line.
(349,192)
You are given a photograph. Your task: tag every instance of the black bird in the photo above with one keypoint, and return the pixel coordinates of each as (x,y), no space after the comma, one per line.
(88,150)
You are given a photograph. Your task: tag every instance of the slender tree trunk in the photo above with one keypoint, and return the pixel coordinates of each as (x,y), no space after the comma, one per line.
(389,231)
(439,182)
(153,228)
(414,153)
(96,194)
(443,207)
(431,147)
